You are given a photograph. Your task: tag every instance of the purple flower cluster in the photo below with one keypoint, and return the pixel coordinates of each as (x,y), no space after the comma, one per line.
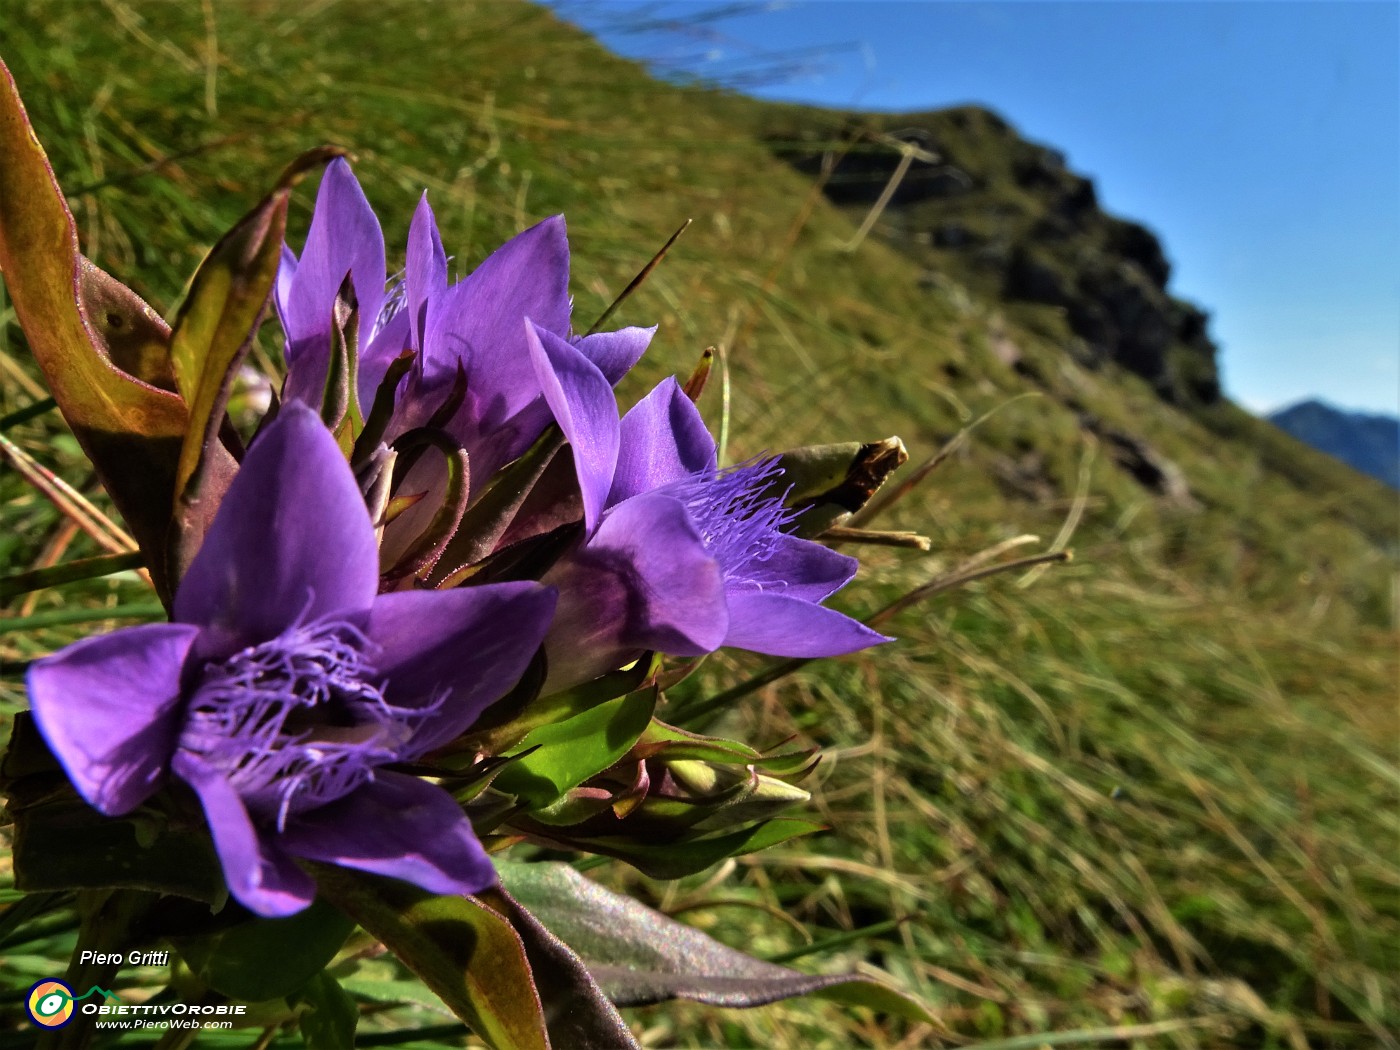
(285,685)
(287,693)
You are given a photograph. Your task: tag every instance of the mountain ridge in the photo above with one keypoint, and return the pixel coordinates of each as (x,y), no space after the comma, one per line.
(1368,442)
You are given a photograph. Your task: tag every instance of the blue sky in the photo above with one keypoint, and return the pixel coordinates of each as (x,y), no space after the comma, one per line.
(1261,140)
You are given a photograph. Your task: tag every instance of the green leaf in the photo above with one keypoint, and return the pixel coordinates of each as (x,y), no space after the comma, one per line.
(571,751)
(92,337)
(578,1014)
(267,958)
(639,956)
(504,725)
(330,1023)
(62,843)
(466,953)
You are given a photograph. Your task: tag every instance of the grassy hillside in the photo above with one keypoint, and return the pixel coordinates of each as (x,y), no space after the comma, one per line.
(1148,798)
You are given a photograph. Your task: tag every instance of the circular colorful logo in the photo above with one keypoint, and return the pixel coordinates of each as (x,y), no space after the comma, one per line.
(50,1004)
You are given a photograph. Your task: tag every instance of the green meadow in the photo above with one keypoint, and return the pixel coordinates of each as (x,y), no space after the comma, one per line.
(1144,798)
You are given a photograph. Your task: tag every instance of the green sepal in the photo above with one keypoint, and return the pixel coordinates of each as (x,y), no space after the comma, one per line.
(828,483)
(670,743)
(695,384)
(428,547)
(487,520)
(684,855)
(572,807)
(381,412)
(340,398)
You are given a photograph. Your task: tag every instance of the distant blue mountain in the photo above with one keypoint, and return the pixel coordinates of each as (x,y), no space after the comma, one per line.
(1369,443)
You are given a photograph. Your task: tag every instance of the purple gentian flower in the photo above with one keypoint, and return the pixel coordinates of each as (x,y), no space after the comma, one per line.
(478,325)
(468,337)
(678,556)
(284,687)
(344,240)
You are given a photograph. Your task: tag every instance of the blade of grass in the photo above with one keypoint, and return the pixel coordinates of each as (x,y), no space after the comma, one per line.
(877,507)
(72,503)
(701,708)
(61,617)
(640,278)
(71,572)
(1112,1034)
(28,412)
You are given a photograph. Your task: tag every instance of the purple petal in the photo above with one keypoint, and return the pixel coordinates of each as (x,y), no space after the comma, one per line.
(292,540)
(282,287)
(479,321)
(109,707)
(344,238)
(505,439)
(675,591)
(460,650)
(662,439)
(615,352)
(386,344)
(582,401)
(425,273)
(784,626)
(808,570)
(398,826)
(259,874)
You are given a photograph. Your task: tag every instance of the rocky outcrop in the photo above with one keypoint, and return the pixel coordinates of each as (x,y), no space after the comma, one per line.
(978,198)
(1152,470)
